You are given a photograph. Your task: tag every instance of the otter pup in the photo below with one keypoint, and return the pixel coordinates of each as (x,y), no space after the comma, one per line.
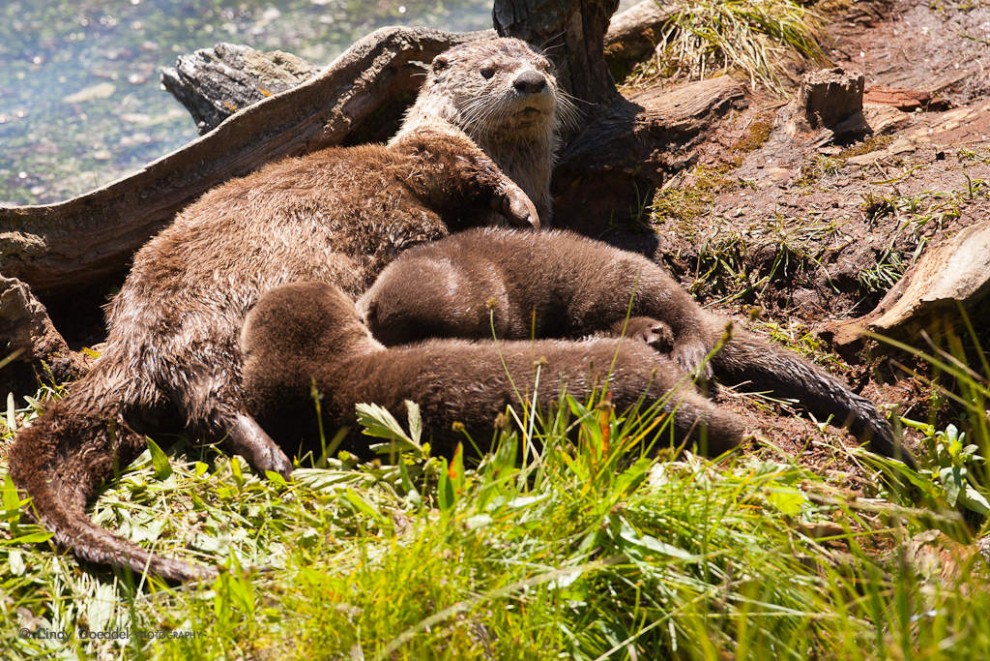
(337,215)
(306,333)
(555,283)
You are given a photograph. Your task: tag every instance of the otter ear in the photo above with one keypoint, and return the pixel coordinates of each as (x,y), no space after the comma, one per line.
(440,63)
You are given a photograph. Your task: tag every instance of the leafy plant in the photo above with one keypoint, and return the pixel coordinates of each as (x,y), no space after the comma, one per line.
(952,458)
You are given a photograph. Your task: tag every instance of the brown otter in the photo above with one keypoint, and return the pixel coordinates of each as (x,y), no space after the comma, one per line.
(555,283)
(311,332)
(337,215)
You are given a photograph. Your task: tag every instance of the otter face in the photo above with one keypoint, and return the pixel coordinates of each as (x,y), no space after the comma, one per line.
(502,86)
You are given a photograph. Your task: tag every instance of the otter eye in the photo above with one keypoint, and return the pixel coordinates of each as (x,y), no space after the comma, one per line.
(440,63)
(487,72)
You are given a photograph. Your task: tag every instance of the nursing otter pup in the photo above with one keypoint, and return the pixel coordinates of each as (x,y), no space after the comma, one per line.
(337,215)
(311,333)
(518,285)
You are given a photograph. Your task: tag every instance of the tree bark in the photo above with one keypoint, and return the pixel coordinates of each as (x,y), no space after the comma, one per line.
(573,34)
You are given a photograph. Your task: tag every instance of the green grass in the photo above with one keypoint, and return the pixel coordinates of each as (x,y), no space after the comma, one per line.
(757,37)
(580,539)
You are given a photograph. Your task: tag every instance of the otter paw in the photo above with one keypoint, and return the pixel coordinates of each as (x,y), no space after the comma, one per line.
(692,356)
(516,206)
(249,440)
(648,330)
(656,334)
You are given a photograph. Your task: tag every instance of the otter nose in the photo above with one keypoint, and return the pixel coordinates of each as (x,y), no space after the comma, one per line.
(530,81)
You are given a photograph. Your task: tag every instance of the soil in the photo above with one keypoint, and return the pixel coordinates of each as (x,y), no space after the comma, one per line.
(791,233)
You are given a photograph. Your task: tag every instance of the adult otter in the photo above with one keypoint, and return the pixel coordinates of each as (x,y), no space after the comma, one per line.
(337,215)
(556,283)
(306,333)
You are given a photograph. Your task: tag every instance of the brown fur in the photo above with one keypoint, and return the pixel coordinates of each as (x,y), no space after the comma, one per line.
(553,283)
(337,215)
(308,333)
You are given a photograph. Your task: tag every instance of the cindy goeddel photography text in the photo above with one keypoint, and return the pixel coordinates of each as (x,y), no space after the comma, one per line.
(108,634)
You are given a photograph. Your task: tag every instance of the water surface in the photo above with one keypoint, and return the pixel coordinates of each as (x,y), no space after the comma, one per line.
(80,99)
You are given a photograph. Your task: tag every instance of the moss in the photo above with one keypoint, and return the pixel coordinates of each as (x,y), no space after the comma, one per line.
(757,135)
(872,143)
(682,204)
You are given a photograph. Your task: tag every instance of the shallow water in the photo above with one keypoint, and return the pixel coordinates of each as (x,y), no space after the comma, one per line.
(80,99)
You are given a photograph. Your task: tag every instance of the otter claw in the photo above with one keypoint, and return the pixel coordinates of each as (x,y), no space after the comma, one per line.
(249,440)
(516,206)
(652,332)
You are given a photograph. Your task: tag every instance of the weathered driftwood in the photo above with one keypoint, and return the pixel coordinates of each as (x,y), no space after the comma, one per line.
(633,35)
(958,271)
(214,83)
(62,247)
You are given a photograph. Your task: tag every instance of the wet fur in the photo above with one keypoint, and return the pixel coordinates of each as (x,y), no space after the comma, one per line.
(311,333)
(557,284)
(337,215)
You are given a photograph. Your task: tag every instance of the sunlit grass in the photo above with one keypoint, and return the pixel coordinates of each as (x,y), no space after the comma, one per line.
(757,37)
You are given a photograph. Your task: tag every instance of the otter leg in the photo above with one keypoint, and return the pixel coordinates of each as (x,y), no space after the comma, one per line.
(515,205)
(214,406)
(248,439)
(714,430)
(602,299)
(450,172)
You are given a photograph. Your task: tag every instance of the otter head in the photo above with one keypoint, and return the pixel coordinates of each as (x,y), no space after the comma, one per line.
(498,89)
(503,95)
(311,322)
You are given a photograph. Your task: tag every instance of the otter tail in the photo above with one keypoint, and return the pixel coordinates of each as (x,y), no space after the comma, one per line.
(61,459)
(746,358)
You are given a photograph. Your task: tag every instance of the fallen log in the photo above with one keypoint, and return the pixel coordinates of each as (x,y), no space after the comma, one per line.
(214,83)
